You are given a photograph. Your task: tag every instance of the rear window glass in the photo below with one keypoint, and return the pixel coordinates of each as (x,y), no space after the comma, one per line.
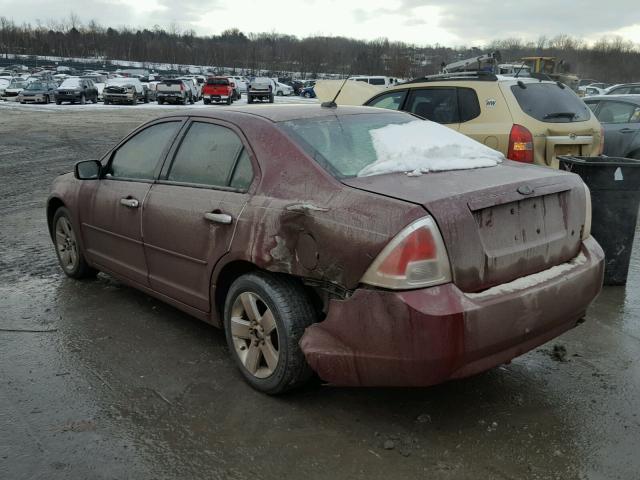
(376,81)
(372,144)
(548,102)
(217,81)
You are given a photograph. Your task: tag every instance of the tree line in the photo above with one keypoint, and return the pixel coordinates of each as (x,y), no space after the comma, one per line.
(608,60)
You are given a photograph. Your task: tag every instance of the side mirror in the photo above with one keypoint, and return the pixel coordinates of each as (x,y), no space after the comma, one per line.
(88,170)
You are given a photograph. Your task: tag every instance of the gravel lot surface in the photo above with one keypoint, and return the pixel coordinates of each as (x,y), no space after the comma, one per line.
(99,381)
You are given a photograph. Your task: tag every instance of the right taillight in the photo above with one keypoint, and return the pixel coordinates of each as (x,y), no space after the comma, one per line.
(415,258)
(520,144)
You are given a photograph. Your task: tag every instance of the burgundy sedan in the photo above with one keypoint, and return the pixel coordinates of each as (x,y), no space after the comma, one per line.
(275,224)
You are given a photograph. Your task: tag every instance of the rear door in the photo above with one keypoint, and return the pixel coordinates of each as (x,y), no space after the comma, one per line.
(190,214)
(621,123)
(438,104)
(110,209)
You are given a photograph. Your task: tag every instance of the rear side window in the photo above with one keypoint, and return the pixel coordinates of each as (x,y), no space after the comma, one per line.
(139,156)
(376,81)
(618,112)
(207,156)
(436,104)
(469,104)
(390,101)
(548,102)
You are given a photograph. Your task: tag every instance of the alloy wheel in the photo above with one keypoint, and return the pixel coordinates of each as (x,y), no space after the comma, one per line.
(255,335)
(66,244)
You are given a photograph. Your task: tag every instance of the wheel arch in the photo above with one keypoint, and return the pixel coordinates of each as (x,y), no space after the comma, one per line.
(53,205)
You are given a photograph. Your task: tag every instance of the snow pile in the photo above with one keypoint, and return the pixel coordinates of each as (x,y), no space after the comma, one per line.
(422,146)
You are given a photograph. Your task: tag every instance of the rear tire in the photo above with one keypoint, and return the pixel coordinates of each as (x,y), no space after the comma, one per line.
(68,250)
(83,100)
(229,100)
(249,99)
(267,350)
(271,98)
(58,102)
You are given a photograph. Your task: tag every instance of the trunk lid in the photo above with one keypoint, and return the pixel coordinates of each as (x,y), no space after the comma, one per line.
(498,223)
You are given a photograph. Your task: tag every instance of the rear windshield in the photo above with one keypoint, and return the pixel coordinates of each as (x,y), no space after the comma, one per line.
(171,81)
(217,81)
(548,102)
(372,144)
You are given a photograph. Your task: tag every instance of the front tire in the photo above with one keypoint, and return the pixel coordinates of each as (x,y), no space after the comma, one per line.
(265,316)
(68,250)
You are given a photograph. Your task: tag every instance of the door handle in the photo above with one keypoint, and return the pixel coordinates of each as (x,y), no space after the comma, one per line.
(627,130)
(129,202)
(223,218)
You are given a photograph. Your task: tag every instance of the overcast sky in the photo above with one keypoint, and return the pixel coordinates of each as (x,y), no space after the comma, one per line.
(448,22)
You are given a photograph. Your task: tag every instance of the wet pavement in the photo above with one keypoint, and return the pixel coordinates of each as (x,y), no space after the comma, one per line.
(99,381)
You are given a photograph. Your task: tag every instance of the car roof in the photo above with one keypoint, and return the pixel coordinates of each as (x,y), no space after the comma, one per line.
(284,113)
(634,98)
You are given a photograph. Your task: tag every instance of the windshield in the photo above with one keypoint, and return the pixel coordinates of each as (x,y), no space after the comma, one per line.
(36,86)
(217,81)
(4,82)
(71,83)
(548,102)
(373,144)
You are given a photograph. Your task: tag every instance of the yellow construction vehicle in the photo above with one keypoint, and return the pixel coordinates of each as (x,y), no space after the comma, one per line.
(553,69)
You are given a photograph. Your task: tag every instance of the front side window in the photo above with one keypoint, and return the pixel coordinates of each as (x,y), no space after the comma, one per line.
(207,156)
(436,104)
(138,158)
(618,112)
(390,101)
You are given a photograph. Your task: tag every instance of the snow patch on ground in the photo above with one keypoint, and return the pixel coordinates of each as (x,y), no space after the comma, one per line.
(531,280)
(423,146)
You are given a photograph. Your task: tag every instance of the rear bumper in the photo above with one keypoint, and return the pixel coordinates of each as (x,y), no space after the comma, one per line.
(425,337)
(117,97)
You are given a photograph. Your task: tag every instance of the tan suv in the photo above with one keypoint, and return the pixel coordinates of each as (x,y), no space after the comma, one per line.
(528,120)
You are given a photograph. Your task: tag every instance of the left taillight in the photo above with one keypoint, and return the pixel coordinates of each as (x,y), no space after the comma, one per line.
(520,144)
(415,258)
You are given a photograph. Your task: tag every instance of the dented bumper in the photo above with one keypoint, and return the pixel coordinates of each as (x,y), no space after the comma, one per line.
(424,337)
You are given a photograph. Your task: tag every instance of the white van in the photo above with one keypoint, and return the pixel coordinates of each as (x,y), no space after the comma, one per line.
(378,81)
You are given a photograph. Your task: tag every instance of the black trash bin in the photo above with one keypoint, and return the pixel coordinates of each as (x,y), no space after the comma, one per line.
(615,198)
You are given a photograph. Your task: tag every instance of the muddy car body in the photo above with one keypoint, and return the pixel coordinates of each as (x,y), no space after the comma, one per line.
(514,262)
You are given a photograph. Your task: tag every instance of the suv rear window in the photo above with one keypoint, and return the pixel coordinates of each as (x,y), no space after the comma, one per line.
(217,81)
(548,102)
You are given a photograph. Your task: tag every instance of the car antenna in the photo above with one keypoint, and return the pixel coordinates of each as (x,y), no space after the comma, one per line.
(519,70)
(332,103)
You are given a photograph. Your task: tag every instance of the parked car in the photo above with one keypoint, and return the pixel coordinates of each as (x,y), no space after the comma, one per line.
(124,90)
(194,89)
(591,90)
(38,92)
(240,82)
(100,81)
(308,92)
(261,88)
(75,89)
(283,89)
(624,89)
(346,265)
(172,90)
(236,90)
(620,118)
(11,91)
(528,120)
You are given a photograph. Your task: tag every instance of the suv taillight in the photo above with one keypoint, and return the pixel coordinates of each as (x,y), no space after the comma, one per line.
(520,144)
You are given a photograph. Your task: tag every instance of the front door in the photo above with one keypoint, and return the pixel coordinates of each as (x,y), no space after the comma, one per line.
(191,213)
(621,123)
(110,210)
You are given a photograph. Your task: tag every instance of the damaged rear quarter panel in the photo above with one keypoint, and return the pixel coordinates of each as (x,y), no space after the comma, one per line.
(303,222)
